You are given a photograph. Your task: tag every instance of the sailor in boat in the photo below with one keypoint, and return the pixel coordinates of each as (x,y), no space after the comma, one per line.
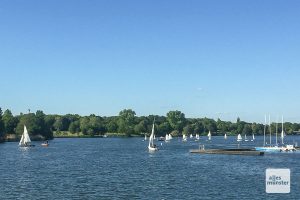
(45,143)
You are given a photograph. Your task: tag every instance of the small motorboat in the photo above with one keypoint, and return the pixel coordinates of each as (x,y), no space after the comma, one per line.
(45,144)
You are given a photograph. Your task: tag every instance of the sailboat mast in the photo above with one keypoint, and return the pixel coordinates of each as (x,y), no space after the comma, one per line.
(270,130)
(276,130)
(282,132)
(265,130)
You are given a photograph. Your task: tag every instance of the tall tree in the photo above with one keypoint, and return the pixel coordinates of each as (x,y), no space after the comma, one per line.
(198,128)
(1,127)
(126,121)
(188,129)
(10,122)
(176,119)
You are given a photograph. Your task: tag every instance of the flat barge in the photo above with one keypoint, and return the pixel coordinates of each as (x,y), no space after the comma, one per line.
(246,152)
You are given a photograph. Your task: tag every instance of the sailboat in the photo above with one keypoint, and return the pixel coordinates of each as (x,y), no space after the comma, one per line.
(191,136)
(239,138)
(282,131)
(197,137)
(246,139)
(152,146)
(269,148)
(253,138)
(225,136)
(287,147)
(209,135)
(25,139)
(184,138)
(145,137)
(170,137)
(167,138)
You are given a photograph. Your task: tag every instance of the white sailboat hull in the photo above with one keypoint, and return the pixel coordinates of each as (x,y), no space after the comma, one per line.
(152,148)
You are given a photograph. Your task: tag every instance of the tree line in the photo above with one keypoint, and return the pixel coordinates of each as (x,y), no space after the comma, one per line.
(127,124)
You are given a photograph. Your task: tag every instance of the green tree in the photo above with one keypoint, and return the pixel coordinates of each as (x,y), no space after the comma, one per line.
(222,126)
(209,125)
(198,128)
(61,123)
(84,125)
(49,121)
(10,122)
(141,127)
(126,121)
(247,129)
(74,127)
(112,126)
(96,125)
(164,128)
(1,127)
(176,119)
(187,130)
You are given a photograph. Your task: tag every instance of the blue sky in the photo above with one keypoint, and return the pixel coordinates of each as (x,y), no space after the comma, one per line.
(208,58)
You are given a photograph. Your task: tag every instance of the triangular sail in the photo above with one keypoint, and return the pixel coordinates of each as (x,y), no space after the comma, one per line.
(26,136)
(25,139)
(167,137)
(209,135)
(282,131)
(22,140)
(239,137)
(225,136)
(151,144)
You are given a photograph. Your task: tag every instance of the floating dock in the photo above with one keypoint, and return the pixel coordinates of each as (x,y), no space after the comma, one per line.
(246,152)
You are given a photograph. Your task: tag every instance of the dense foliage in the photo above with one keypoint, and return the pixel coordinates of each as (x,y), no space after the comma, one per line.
(127,124)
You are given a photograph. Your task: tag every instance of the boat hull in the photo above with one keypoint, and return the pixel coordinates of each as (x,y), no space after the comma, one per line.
(246,152)
(28,145)
(268,149)
(153,148)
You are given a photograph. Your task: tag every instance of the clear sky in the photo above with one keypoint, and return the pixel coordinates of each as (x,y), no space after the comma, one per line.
(210,58)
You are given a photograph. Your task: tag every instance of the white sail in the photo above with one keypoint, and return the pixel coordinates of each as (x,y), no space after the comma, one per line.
(170,137)
(246,139)
(225,136)
(167,137)
(184,137)
(145,137)
(253,137)
(209,135)
(197,136)
(239,137)
(22,140)
(191,136)
(282,131)
(151,145)
(25,139)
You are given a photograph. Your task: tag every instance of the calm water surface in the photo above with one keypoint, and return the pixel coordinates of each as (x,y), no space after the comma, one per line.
(122,168)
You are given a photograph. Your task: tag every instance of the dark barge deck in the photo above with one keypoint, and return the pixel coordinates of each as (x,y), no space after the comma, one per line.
(247,152)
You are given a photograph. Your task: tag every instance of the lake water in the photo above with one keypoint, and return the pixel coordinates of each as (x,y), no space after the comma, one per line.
(122,168)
